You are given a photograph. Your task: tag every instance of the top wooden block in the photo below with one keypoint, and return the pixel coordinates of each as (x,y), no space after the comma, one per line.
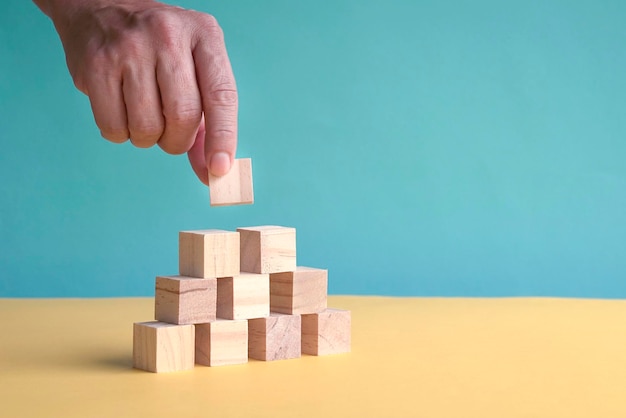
(208,253)
(267,249)
(233,188)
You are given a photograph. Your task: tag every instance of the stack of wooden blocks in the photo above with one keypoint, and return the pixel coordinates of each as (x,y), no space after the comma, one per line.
(239,295)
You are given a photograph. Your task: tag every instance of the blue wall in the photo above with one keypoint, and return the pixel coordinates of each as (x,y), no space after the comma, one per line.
(419,147)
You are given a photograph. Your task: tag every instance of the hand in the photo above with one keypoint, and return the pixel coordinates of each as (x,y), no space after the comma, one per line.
(154,73)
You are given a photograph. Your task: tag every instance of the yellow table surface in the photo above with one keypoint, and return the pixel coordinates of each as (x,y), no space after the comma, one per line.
(411,357)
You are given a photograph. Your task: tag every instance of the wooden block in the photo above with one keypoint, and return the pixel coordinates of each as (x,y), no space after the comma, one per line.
(208,253)
(185,300)
(234,188)
(244,296)
(268,249)
(222,342)
(299,292)
(160,347)
(276,337)
(326,332)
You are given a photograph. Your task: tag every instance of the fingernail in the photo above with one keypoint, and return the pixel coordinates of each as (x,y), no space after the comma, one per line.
(220,164)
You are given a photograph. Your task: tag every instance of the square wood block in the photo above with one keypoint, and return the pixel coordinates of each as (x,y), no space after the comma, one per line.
(244,296)
(159,347)
(222,342)
(327,332)
(233,188)
(185,300)
(208,253)
(277,337)
(267,249)
(302,291)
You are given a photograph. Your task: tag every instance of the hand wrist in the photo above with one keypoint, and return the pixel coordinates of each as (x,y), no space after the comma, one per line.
(62,11)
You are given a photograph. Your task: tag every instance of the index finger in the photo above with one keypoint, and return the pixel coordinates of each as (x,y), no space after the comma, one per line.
(219,97)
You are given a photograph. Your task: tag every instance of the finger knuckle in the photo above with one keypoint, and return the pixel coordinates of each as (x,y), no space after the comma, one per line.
(224,95)
(142,141)
(114,134)
(209,26)
(222,134)
(146,132)
(167,28)
(183,114)
(175,147)
(208,20)
(80,83)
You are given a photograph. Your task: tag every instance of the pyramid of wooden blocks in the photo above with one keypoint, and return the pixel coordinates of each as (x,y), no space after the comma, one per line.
(239,295)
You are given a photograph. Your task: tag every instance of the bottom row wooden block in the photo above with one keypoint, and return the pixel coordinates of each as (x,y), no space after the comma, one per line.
(162,347)
(327,332)
(222,342)
(277,337)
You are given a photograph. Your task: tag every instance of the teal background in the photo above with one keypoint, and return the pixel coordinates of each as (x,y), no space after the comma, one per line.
(419,148)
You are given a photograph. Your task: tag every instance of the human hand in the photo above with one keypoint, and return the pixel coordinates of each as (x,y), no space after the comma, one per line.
(154,73)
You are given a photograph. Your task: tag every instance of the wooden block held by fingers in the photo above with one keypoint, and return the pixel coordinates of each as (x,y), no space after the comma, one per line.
(276,337)
(326,332)
(233,188)
(160,347)
(222,342)
(244,296)
(302,291)
(208,253)
(185,300)
(267,249)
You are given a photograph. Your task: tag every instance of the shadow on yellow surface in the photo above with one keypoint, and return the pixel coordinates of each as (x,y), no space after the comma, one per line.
(411,357)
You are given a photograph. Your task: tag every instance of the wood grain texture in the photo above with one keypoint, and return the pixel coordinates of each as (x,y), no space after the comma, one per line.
(267,249)
(222,342)
(327,332)
(234,188)
(208,253)
(185,300)
(302,291)
(159,347)
(244,296)
(277,337)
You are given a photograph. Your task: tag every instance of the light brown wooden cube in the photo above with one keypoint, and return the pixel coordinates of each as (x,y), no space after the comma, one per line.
(185,300)
(208,253)
(326,332)
(302,291)
(244,296)
(159,347)
(276,337)
(233,188)
(222,342)
(268,249)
